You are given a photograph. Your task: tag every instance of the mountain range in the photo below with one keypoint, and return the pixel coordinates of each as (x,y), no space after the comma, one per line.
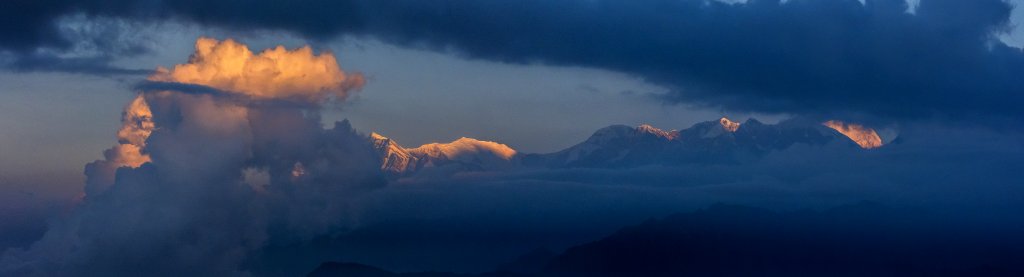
(620,146)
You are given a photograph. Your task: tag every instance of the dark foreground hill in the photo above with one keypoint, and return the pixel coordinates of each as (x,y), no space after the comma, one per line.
(858,240)
(724,240)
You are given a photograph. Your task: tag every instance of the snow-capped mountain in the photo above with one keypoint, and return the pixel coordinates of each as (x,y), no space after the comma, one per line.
(395,160)
(459,155)
(465,152)
(710,142)
(719,141)
(609,145)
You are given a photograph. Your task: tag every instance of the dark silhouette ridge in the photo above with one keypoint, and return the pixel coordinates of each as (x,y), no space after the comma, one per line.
(864,239)
(857,240)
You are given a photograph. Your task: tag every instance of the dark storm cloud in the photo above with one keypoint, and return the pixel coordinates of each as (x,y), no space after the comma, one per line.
(800,56)
(85,65)
(25,25)
(67,36)
(765,56)
(179,87)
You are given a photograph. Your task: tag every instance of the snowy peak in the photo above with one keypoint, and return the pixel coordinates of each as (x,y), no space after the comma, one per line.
(648,129)
(709,142)
(610,133)
(379,140)
(615,133)
(394,158)
(463,154)
(616,143)
(712,129)
(464,148)
(865,137)
(729,125)
(716,141)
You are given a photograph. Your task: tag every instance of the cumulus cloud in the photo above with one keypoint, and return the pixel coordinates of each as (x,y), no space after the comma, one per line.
(137,125)
(177,195)
(276,73)
(798,57)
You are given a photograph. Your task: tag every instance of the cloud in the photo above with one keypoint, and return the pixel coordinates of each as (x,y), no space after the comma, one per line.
(47,62)
(176,194)
(137,125)
(803,57)
(870,58)
(29,24)
(220,180)
(62,38)
(276,73)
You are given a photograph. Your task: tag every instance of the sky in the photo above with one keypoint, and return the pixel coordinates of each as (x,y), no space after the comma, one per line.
(409,94)
(942,76)
(415,96)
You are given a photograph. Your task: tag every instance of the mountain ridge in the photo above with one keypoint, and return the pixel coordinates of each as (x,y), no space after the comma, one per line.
(715,142)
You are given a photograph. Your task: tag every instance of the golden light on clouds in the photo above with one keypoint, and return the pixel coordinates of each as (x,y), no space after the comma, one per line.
(867,138)
(137,123)
(276,73)
(127,155)
(136,126)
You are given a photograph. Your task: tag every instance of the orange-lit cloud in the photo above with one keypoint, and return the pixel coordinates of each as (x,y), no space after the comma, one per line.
(136,125)
(867,138)
(126,155)
(277,73)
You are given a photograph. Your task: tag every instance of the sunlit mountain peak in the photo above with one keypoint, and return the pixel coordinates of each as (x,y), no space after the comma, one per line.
(648,129)
(394,158)
(729,125)
(866,137)
(464,147)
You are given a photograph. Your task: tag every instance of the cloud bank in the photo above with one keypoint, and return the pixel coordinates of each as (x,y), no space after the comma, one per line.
(199,182)
(211,170)
(875,58)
